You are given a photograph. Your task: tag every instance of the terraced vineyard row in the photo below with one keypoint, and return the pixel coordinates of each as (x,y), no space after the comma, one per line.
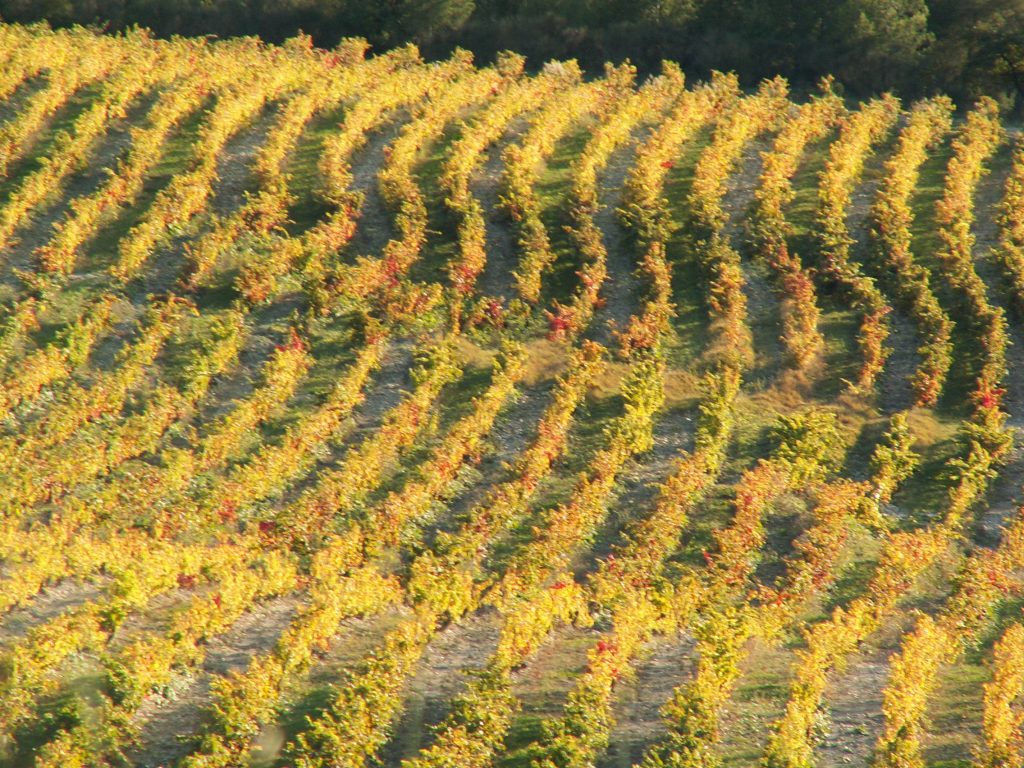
(359,410)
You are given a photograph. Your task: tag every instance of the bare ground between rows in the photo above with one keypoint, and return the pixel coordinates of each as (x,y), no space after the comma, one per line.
(392,378)
(894,388)
(374,227)
(234,176)
(387,389)
(162,271)
(514,430)
(663,665)
(37,227)
(169,724)
(621,291)
(442,674)
(163,268)
(1005,495)
(234,164)
(544,682)
(458,647)
(855,699)
(854,696)
(26,89)
(486,184)
(894,384)
(46,605)
(986,230)
(156,615)
(762,300)
(266,330)
(757,701)
(639,484)
(355,639)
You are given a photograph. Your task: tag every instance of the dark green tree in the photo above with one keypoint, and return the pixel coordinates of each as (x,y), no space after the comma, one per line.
(884,42)
(424,19)
(980,47)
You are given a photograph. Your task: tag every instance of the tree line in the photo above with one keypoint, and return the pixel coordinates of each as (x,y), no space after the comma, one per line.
(913,47)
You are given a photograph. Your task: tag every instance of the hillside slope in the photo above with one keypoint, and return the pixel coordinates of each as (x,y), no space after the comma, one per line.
(362,410)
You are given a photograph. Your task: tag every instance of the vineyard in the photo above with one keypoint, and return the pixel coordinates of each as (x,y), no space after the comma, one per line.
(361,410)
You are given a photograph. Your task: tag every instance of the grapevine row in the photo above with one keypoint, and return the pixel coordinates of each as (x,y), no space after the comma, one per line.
(858,134)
